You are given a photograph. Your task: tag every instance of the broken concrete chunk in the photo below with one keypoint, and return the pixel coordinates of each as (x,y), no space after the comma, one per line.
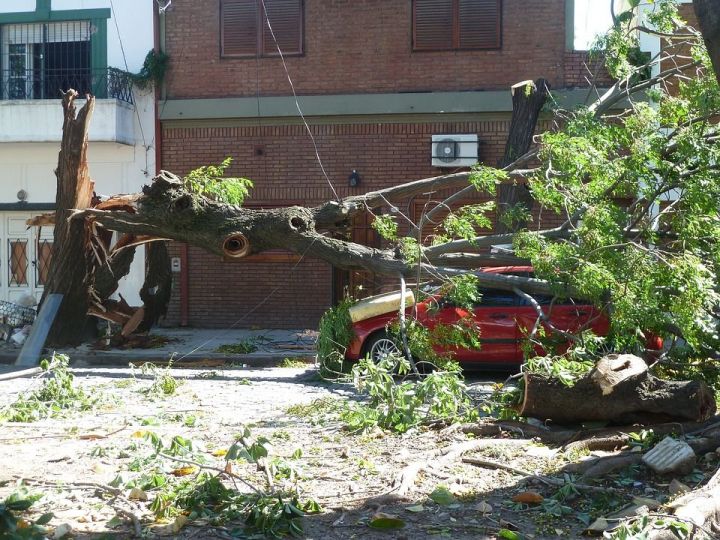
(671,456)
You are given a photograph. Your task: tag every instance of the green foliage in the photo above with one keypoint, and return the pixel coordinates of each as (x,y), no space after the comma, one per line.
(57,396)
(14,527)
(485,179)
(205,495)
(515,215)
(245,346)
(335,334)
(463,291)
(564,369)
(465,222)
(210,181)
(400,406)
(386,226)
(411,250)
(664,273)
(293,363)
(163,382)
(644,439)
(153,70)
(503,403)
(639,528)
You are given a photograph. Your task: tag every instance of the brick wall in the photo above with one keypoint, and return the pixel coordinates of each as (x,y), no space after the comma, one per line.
(581,68)
(359,46)
(243,294)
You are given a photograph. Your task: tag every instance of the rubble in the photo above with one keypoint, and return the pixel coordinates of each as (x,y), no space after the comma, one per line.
(671,456)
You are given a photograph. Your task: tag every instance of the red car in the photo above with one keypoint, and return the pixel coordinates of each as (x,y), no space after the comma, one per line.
(500,316)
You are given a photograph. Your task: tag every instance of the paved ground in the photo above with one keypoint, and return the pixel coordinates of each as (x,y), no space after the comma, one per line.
(187,345)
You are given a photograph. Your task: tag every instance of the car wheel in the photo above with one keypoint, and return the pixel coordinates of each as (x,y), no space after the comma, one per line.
(380,346)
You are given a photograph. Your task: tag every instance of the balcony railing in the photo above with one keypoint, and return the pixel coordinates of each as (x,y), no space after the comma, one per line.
(47,84)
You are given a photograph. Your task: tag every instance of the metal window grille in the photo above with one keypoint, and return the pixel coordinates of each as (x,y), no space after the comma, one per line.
(42,264)
(38,61)
(18,267)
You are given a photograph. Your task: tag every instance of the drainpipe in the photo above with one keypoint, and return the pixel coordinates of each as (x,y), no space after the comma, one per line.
(161,93)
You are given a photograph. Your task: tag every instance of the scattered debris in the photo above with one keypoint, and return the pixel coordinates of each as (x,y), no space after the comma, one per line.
(671,456)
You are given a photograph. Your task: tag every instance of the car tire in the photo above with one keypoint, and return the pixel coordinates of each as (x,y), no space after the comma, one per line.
(380,345)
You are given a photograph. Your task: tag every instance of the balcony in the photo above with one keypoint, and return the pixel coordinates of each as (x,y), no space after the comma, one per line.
(30,104)
(48,83)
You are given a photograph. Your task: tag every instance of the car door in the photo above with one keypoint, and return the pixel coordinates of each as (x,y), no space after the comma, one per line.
(493,316)
(566,315)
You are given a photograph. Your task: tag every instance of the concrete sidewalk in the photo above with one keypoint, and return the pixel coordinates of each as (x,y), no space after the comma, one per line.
(196,347)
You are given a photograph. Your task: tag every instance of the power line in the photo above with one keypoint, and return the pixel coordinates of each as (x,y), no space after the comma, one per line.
(132,92)
(297,103)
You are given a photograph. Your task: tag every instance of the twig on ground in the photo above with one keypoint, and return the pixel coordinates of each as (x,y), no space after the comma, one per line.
(210,468)
(547,480)
(131,516)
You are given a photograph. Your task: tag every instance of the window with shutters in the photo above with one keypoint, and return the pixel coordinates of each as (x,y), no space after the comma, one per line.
(245,27)
(446,25)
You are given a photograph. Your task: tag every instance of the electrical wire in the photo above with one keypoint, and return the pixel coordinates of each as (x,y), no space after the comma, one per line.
(297,102)
(132,92)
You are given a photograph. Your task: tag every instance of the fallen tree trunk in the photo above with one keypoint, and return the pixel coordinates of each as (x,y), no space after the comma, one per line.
(167,210)
(619,389)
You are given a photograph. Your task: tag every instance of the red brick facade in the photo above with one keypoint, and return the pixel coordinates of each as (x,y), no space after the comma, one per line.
(358,46)
(350,47)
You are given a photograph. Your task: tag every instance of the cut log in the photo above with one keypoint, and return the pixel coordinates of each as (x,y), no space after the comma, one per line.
(619,389)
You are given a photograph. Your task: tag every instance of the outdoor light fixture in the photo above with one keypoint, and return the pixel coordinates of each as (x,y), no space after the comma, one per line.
(22,195)
(354,178)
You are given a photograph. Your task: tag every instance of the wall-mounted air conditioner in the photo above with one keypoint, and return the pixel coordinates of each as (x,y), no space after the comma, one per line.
(454,150)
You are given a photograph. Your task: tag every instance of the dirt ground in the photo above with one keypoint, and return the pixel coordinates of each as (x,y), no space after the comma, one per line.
(72,460)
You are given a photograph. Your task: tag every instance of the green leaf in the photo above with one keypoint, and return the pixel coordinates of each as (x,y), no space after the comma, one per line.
(386,521)
(44,519)
(416,509)
(507,534)
(442,496)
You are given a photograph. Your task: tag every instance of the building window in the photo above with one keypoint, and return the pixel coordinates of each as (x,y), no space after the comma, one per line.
(446,25)
(40,60)
(245,32)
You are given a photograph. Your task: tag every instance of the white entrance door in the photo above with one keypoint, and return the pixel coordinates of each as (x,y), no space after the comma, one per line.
(24,256)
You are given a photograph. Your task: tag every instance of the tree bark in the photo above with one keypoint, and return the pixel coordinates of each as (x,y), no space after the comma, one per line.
(708,16)
(619,389)
(528,99)
(156,290)
(71,252)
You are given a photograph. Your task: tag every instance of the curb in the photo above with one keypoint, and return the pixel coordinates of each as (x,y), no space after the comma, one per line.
(198,360)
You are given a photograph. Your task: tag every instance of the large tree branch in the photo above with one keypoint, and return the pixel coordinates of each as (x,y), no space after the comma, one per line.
(168,211)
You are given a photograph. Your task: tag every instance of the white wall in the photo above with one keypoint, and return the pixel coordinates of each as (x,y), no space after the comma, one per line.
(29,161)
